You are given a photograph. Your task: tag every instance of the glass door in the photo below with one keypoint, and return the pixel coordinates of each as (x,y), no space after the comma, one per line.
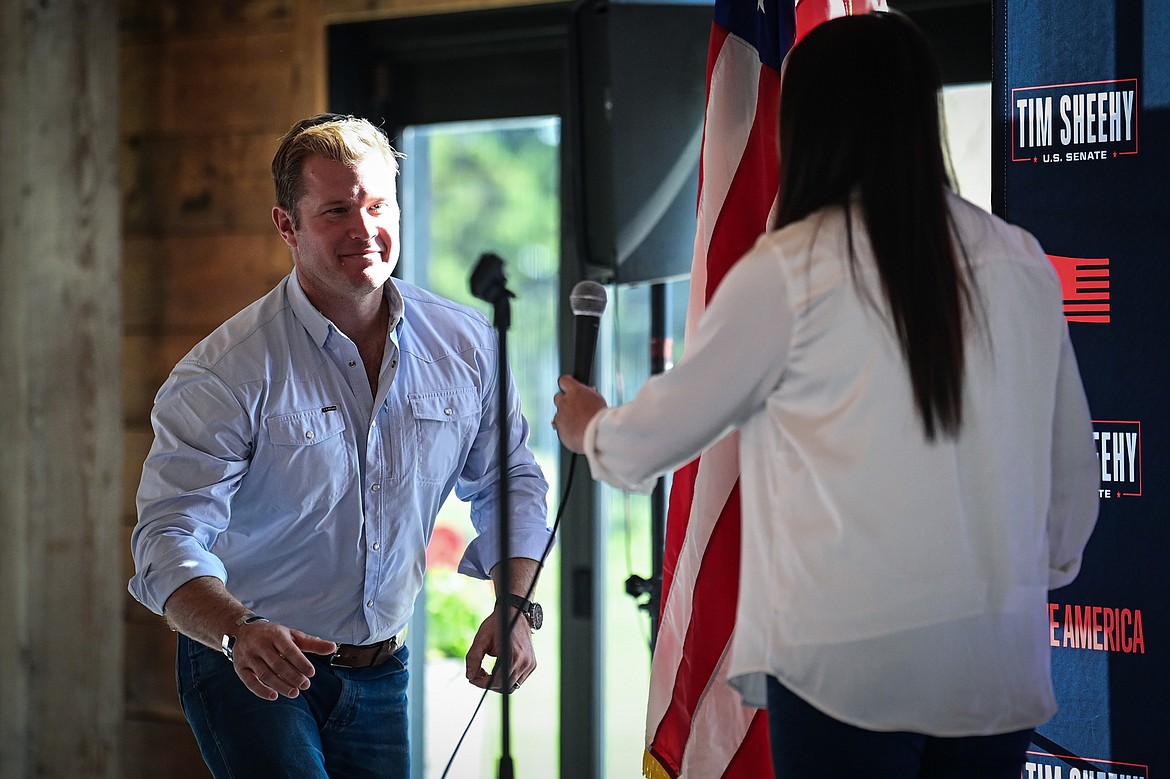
(470,188)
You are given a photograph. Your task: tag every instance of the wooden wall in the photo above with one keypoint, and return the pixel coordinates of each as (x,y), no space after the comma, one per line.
(208,88)
(60,541)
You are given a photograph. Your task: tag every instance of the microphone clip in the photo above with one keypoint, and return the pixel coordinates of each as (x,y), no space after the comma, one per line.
(488,282)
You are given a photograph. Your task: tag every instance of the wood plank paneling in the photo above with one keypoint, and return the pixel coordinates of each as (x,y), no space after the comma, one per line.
(199,184)
(191,284)
(236,83)
(151,691)
(162,747)
(143,20)
(147,359)
(335,11)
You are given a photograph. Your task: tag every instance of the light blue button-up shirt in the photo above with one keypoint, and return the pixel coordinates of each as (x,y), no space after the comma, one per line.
(276,469)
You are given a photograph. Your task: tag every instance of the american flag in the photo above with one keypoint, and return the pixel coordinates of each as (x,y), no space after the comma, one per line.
(696,727)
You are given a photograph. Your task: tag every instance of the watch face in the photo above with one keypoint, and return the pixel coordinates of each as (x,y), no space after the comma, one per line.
(537,616)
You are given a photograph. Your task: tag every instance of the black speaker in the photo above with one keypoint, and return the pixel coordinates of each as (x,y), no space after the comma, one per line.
(638,76)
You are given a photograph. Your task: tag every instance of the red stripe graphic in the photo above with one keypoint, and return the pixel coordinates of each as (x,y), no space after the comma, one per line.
(1084,284)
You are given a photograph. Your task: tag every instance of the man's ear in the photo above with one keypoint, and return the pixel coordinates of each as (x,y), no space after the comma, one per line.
(284,226)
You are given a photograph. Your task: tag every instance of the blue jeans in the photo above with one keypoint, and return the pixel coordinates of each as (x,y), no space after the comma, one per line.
(807,743)
(351,722)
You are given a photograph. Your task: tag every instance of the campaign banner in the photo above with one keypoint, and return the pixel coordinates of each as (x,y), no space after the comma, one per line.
(1081,158)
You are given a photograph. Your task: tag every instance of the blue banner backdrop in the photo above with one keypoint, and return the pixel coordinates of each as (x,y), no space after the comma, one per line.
(1081,158)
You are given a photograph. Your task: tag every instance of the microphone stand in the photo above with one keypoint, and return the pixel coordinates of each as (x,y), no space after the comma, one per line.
(636,586)
(659,360)
(489,284)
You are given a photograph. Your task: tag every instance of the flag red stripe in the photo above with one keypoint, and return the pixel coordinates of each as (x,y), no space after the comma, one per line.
(714,597)
(744,215)
(754,756)
(682,489)
(682,493)
(742,218)
(809,15)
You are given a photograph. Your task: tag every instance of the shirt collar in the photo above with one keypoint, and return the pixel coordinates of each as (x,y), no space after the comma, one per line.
(318,325)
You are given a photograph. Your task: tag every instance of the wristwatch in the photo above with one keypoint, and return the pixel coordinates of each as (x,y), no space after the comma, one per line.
(529,608)
(228,642)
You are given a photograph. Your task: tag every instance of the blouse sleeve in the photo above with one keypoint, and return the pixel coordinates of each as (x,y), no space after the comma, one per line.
(737,356)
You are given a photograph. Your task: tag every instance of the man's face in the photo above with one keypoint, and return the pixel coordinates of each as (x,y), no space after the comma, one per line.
(346,245)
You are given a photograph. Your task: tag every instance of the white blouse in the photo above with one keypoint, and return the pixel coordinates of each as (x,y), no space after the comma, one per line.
(894,584)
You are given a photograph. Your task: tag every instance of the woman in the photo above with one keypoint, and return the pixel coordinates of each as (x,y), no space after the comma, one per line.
(917,465)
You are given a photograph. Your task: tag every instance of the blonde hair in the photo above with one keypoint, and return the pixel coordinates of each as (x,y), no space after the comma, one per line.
(344,139)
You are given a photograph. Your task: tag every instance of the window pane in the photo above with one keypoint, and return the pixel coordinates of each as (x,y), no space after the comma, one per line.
(471,188)
(967,109)
(493,186)
(623,366)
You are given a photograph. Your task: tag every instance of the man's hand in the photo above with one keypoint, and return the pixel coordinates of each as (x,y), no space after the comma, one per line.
(270,659)
(487,642)
(518,576)
(576,406)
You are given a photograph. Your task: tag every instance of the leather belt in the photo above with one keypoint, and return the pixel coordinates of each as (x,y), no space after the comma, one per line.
(367,655)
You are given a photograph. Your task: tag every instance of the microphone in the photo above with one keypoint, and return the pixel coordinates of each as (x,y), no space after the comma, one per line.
(588,301)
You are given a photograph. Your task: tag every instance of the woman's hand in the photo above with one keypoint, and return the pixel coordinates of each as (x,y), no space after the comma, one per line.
(576,406)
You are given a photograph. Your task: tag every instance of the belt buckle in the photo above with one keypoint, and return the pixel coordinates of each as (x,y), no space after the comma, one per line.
(333,659)
(387,648)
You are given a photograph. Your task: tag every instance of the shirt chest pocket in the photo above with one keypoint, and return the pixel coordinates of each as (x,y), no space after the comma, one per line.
(445,422)
(308,452)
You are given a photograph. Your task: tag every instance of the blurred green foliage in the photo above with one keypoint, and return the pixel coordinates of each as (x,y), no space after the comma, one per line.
(496,192)
(456,605)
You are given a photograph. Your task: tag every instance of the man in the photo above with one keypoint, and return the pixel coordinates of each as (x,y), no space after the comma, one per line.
(301,453)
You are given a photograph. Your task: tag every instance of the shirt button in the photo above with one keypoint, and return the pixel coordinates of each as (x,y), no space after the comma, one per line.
(369,603)
(377,546)
(447,411)
(309,434)
(376,487)
(394,363)
(352,363)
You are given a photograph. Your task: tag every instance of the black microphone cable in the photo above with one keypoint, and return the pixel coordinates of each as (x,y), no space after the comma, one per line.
(527,596)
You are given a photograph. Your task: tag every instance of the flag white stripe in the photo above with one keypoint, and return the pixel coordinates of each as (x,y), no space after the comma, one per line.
(718,471)
(731,113)
(730,117)
(718,728)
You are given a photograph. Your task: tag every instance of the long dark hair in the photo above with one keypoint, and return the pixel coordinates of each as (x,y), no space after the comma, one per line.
(859,114)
